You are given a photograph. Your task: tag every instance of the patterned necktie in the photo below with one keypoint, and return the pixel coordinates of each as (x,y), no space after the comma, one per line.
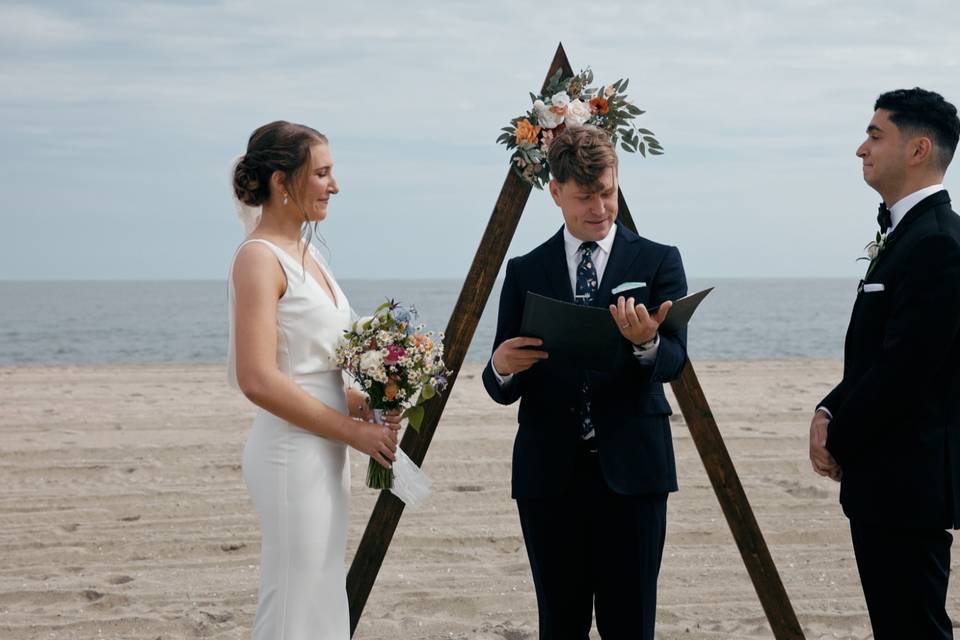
(585,293)
(884,219)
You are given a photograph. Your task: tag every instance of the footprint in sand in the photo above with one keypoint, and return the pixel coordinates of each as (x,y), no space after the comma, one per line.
(232,546)
(120,580)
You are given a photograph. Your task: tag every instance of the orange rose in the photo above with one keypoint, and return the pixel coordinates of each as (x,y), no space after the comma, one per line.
(599,105)
(526,132)
(390,391)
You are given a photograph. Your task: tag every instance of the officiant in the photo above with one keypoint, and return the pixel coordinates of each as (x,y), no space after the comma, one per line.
(593,458)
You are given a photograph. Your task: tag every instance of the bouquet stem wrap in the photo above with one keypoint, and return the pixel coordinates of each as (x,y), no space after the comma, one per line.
(405,480)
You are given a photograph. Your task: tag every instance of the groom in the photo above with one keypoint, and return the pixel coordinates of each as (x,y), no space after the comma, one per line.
(593,457)
(890,431)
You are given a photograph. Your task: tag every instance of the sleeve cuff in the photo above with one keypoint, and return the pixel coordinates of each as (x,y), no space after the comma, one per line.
(647,352)
(826,411)
(502,380)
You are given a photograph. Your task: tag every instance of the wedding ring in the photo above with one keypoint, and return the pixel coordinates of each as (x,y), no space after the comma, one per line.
(624,326)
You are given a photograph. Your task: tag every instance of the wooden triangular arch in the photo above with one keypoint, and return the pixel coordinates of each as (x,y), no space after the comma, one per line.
(693,404)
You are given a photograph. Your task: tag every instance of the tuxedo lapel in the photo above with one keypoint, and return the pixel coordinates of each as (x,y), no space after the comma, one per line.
(555,268)
(931,201)
(622,256)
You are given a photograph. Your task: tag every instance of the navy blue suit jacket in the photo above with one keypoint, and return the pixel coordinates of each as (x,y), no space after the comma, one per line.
(896,413)
(629,411)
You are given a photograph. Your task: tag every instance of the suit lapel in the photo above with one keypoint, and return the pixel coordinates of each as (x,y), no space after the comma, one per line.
(931,201)
(622,256)
(558,277)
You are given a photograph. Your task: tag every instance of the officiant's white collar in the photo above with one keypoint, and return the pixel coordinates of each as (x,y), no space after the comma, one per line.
(572,244)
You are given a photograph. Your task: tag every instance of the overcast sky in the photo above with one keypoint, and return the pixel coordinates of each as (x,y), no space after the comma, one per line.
(120,120)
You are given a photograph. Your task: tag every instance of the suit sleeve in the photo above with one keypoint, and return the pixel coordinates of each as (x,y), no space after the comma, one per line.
(923,324)
(508,326)
(669,283)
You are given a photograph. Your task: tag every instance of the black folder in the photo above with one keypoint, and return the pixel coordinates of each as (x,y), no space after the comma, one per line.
(588,337)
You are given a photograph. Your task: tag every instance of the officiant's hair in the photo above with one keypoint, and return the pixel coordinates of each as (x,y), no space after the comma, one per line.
(581,153)
(921,112)
(277,146)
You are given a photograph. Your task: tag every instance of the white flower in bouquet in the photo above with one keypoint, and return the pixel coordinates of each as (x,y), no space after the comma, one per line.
(371,363)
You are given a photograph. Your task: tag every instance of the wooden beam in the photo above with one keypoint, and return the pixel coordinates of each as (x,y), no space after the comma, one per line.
(463,323)
(726,485)
(693,404)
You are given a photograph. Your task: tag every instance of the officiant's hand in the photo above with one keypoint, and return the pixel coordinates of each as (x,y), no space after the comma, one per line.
(823,463)
(515,355)
(636,325)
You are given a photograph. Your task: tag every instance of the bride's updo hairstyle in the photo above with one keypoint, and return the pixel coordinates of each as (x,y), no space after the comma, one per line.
(278,146)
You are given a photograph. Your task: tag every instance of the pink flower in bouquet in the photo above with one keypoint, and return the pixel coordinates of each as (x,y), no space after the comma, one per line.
(394,353)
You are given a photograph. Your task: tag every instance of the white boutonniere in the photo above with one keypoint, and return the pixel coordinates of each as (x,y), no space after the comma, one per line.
(873,249)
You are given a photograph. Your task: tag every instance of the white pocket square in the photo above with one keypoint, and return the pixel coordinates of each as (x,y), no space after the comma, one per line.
(626,286)
(873,287)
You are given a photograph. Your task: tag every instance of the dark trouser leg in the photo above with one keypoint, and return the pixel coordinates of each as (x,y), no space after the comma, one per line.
(629,534)
(904,573)
(557,536)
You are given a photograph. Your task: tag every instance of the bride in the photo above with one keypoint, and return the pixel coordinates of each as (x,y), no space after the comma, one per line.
(287,313)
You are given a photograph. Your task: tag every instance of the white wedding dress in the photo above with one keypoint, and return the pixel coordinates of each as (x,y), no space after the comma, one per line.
(299,481)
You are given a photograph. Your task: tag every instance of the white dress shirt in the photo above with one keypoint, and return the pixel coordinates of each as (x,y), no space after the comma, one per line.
(903,205)
(571,247)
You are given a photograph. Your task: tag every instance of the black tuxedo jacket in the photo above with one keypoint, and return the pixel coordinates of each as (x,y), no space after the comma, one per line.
(896,412)
(628,408)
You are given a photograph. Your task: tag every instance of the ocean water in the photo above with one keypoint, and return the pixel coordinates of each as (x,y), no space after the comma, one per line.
(84,322)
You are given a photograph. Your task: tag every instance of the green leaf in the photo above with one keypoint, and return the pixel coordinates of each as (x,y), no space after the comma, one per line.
(634,110)
(623,145)
(533,98)
(645,132)
(427,392)
(623,87)
(642,149)
(415,416)
(656,152)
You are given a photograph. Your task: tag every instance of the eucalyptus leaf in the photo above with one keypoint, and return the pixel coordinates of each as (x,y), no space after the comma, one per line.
(656,152)
(415,416)
(642,149)
(646,132)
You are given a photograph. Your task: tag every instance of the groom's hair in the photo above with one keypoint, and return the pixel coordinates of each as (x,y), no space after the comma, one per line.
(581,153)
(925,113)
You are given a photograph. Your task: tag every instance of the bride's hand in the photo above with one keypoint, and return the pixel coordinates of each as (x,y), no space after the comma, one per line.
(392,419)
(379,441)
(357,405)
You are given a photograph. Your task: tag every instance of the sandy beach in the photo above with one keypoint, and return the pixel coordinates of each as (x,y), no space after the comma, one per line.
(123,513)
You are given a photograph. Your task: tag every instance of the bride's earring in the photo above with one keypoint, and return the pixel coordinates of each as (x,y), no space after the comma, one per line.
(284,199)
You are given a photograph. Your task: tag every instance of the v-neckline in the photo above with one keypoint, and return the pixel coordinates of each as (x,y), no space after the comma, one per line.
(333,299)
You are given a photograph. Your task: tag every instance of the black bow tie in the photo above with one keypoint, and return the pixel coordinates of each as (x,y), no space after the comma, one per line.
(884,219)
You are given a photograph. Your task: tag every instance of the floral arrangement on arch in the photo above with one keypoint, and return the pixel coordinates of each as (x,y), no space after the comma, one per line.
(398,364)
(573,102)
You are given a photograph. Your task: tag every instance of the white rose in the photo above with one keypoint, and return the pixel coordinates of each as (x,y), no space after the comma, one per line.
(578,112)
(371,362)
(560,99)
(546,118)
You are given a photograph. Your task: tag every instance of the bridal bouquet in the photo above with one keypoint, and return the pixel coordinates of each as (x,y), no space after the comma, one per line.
(399,366)
(573,102)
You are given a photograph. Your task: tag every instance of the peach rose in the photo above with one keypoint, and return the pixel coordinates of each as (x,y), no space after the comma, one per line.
(390,390)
